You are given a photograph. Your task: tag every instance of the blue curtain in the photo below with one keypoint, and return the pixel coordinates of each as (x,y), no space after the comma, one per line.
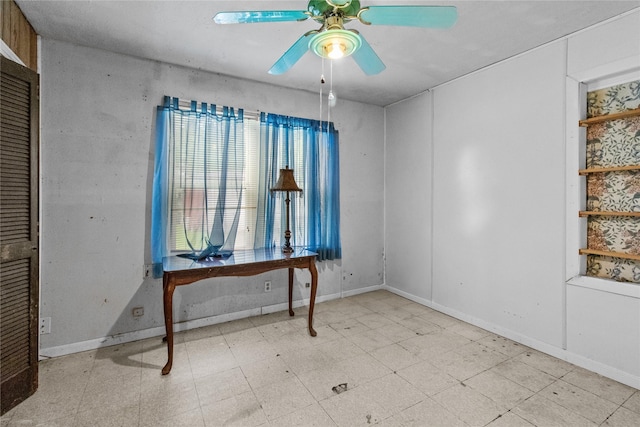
(310,148)
(198,177)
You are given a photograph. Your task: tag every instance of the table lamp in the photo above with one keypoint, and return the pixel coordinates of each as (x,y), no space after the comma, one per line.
(287,183)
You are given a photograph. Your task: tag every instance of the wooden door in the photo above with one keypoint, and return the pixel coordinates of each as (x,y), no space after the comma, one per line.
(19,128)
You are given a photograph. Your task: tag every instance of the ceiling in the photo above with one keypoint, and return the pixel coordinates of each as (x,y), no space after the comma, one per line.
(183,32)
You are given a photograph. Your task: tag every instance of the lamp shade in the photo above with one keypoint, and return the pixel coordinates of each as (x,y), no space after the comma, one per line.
(286,182)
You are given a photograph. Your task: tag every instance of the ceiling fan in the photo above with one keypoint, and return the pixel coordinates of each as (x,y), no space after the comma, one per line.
(332,40)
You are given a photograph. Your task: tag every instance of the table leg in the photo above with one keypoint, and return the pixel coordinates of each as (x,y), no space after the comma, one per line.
(291,313)
(168,288)
(314,287)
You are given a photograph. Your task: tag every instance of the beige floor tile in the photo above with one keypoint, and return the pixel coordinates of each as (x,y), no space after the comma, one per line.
(340,349)
(599,385)
(425,413)
(376,305)
(283,397)
(350,409)
(623,418)
(509,420)
(427,378)
(349,327)
(375,320)
(206,345)
(235,326)
(459,366)
(551,365)
(100,392)
(525,375)
(296,339)
(221,386)
(392,392)
(191,418)
(633,403)
(267,319)
(310,416)
(501,390)
(325,334)
(430,345)
(468,331)
(362,369)
(240,410)
(482,354)
(398,301)
(321,382)
(307,359)
(200,333)
(419,325)
(124,415)
(243,337)
(472,407)
(417,309)
(154,360)
(397,314)
(212,363)
(396,332)
(166,399)
(275,331)
(542,412)
(356,310)
(395,357)
(249,352)
(503,345)
(266,371)
(63,367)
(370,340)
(330,316)
(580,401)
(440,319)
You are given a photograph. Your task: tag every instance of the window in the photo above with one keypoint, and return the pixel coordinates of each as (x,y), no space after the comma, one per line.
(189,189)
(214,167)
(613,182)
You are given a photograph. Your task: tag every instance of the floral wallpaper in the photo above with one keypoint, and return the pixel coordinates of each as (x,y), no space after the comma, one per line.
(613,99)
(609,144)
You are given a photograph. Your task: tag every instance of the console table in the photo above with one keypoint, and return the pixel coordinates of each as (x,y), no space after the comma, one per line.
(182,271)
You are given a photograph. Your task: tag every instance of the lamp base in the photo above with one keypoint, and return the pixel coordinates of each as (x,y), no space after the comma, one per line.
(287,249)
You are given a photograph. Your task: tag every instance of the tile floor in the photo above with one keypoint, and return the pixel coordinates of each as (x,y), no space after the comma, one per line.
(403,365)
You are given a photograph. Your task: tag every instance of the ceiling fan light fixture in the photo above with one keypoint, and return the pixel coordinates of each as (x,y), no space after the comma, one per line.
(334,44)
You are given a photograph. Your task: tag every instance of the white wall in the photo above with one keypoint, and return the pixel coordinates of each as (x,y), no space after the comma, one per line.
(408,196)
(496,188)
(98,113)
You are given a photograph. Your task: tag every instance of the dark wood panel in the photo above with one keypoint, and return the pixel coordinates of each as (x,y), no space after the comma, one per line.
(19,254)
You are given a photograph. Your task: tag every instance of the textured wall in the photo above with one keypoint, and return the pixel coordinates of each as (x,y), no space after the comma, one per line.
(98,112)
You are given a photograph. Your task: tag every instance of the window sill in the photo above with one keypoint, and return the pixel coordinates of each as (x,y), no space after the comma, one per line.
(604,285)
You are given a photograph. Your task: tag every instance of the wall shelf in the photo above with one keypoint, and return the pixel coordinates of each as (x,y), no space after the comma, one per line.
(607,213)
(609,253)
(609,169)
(609,117)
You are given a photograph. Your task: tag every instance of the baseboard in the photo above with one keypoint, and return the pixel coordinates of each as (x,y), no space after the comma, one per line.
(361,291)
(50,352)
(568,356)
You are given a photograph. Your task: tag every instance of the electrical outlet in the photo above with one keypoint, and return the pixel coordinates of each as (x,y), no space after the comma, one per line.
(137,311)
(45,325)
(267,286)
(147,271)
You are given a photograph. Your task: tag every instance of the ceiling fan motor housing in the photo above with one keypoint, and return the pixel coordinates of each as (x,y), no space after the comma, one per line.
(326,7)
